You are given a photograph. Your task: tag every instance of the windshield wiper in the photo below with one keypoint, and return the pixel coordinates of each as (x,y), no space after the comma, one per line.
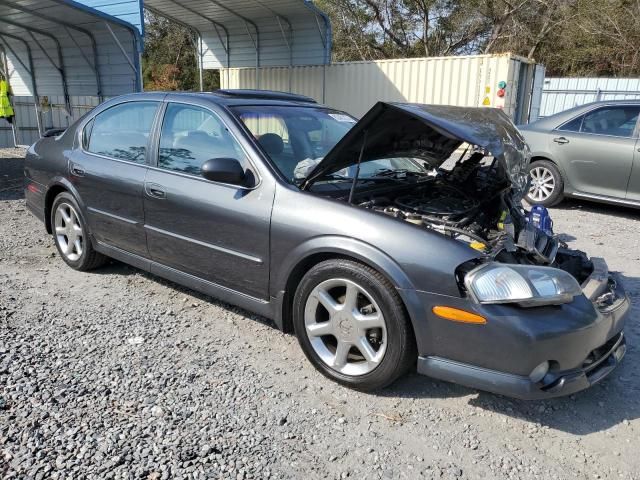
(397,174)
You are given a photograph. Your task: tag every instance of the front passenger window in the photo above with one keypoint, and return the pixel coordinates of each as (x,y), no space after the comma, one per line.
(192,135)
(616,121)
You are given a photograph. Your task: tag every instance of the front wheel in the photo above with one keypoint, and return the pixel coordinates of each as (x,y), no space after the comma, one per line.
(352,326)
(547,186)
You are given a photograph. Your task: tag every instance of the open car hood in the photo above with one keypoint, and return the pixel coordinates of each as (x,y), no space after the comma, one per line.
(431,133)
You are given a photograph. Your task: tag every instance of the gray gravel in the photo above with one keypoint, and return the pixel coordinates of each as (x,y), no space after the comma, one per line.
(119,374)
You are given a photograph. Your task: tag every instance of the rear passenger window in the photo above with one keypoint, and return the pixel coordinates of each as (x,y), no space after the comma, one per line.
(192,135)
(122,131)
(572,125)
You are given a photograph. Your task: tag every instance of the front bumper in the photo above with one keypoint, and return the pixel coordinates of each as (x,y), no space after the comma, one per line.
(583,341)
(554,384)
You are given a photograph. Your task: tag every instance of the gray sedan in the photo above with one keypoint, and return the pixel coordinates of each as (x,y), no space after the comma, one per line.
(354,235)
(589,152)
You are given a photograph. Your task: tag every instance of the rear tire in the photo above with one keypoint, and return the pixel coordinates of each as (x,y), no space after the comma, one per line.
(71,235)
(352,325)
(547,185)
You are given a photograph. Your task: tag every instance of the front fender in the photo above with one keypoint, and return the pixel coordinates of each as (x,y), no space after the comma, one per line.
(367,254)
(342,246)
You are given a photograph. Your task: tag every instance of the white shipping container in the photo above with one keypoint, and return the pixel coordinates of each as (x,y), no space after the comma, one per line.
(470,81)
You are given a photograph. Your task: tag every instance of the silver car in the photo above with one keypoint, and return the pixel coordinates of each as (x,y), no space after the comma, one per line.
(589,152)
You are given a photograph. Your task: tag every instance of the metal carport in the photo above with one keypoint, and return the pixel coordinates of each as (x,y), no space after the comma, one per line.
(252,33)
(62,57)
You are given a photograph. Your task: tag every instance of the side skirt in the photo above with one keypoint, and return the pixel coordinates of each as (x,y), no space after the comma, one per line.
(256,305)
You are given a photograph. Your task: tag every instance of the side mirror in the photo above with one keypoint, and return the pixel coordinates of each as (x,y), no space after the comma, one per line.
(224,170)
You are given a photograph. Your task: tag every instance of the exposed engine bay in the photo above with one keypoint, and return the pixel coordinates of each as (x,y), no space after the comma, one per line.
(471,204)
(474,198)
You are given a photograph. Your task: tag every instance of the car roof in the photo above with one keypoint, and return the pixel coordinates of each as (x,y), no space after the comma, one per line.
(232,97)
(566,115)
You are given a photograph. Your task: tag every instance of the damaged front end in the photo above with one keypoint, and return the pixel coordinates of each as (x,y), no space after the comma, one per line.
(558,313)
(475,177)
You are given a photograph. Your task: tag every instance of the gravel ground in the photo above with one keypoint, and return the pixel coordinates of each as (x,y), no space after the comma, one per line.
(119,374)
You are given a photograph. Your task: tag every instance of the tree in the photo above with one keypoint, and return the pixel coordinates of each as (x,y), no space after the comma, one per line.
(571,37)
(169,60)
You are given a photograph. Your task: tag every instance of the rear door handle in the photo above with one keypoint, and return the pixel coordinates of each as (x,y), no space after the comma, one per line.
(77,171)
(154,190)
(561,140)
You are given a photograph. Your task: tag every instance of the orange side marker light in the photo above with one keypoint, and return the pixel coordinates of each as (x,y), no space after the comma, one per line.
(457,315)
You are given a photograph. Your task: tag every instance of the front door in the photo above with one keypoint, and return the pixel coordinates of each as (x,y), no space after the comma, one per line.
(597,150)
(215,231)
(109,171)
(633,192)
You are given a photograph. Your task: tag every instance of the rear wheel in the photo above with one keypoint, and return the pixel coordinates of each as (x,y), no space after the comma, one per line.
(352,326)
(547,186)
(71,235)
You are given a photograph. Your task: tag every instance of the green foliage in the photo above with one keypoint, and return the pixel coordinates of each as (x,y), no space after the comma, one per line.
(169,60)
(571,37)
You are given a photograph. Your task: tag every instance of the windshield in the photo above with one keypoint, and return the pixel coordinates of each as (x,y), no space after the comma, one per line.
(295,138)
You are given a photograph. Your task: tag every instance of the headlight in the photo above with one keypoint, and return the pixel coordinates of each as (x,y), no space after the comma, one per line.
(525,285)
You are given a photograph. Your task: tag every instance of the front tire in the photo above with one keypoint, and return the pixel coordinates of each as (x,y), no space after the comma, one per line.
(547,185)
(352,325)
(71,235)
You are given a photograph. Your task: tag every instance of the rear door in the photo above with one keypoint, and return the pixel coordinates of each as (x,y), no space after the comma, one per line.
(597,149)
(109,170)
(214,231)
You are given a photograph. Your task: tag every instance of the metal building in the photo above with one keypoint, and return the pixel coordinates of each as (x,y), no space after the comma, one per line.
(62,57)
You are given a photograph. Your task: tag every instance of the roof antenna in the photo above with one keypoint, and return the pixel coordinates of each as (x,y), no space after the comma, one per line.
(355,178)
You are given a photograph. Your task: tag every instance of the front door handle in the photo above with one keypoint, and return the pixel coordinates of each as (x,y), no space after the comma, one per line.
(561,140)
(77,171)
(154,190)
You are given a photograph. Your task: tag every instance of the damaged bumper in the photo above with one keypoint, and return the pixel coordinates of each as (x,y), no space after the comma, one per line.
(583,343)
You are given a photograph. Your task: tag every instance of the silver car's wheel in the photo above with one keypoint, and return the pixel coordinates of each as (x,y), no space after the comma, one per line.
(345,327)
(68,231)
(543,184)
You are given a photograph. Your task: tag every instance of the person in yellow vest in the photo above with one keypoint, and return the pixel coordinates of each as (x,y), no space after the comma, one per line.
(6,111)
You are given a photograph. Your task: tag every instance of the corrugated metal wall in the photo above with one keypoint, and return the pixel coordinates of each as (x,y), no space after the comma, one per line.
(355,86)
(53,115)
(115,72)
(560,93)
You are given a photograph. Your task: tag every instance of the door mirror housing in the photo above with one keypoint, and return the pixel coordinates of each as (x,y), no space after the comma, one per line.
(224,170)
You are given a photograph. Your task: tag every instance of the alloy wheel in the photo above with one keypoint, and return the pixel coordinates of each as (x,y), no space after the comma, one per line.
(542,184)
(345,327)
(68,231)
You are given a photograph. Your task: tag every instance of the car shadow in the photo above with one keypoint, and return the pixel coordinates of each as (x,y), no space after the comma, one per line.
(621,211)
(115,267)
(605,405)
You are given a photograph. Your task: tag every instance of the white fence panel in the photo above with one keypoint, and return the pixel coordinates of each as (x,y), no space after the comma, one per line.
(561,93)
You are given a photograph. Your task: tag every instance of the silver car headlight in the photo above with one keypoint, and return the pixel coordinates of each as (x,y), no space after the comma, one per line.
(525,285)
